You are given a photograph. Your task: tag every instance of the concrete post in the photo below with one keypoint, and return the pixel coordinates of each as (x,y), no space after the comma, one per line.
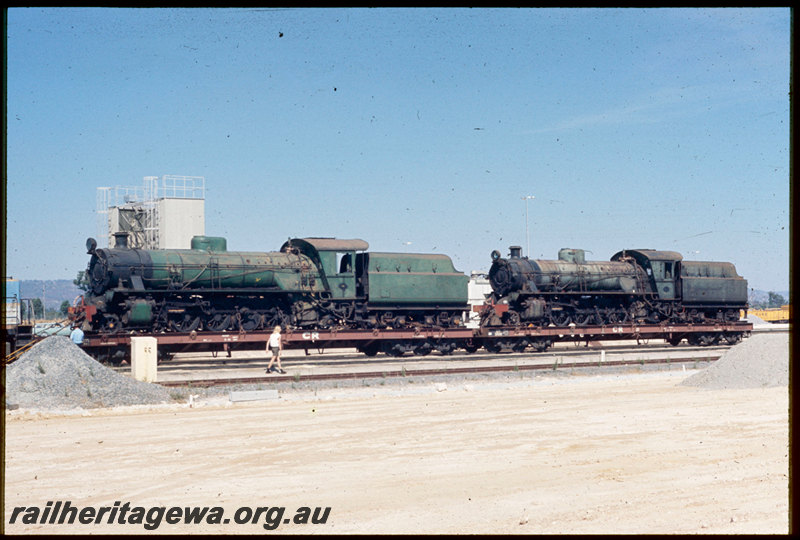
(144,357)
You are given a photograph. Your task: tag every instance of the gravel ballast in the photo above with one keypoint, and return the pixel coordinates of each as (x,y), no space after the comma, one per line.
(56,374)
(761,361)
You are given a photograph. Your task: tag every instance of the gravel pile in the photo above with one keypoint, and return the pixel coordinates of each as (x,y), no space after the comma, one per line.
(56,374)
(756,320)
(759,361)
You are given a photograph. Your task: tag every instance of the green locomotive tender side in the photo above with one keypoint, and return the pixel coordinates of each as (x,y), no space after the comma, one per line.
(712,283)
(390,289)
(401,278)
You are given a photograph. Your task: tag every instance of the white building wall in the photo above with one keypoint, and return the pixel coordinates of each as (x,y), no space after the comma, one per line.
(478,288)
(180,220)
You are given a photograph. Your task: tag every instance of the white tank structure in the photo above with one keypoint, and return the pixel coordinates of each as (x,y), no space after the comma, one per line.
(165,213)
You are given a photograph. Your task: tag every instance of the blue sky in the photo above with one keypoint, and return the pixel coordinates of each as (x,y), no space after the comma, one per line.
(414,129)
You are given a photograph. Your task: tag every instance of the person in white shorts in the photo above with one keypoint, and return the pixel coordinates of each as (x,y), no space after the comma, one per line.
(274,346)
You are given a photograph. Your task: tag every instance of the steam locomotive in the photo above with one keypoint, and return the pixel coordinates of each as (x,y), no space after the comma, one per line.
(320,283)
(310,283)
(639,285)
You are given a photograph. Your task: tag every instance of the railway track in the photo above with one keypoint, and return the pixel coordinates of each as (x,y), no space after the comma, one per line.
(377,370)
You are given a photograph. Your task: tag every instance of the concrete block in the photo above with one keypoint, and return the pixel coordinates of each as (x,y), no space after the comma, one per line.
(144,358)
(253,395)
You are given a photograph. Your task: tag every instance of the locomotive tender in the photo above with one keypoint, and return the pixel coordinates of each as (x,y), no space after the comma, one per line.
(310,283)
(635,286)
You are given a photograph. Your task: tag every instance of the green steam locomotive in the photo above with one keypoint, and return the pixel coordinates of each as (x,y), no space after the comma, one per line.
(310,283)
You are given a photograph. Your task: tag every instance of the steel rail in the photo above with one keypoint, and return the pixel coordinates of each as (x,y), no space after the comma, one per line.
(202,383)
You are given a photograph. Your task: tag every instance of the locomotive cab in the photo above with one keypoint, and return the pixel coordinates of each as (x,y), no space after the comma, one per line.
(334,258)
(662,269)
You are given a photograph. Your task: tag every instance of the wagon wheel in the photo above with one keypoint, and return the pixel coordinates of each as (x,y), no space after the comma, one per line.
(675,340)
(371,349)
(732,338)
(492,346)
(394,348)
(445,347)
(423,349)
(471,347)
(520,345)
(539,345)
(708,339)
(387,318)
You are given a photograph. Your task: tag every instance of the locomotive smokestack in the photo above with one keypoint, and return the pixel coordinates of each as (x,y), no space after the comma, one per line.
(121,240)
(516,251)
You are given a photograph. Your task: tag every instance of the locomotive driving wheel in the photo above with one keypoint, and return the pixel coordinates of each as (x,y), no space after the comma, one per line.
(185,322)
(512,318)
(584,319)
(218,322)
(249,320)
(275,317)
(110,324)
(561,317)
(617,316)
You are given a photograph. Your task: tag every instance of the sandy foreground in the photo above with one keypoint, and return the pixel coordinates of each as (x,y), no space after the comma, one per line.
(604,454)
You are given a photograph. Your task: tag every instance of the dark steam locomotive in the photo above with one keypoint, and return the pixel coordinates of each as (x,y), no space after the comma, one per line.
(635,286)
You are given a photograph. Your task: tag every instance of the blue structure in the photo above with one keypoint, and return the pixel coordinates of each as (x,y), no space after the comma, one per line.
(16,332)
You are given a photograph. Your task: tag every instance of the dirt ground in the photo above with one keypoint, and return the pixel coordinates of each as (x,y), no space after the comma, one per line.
(603,454)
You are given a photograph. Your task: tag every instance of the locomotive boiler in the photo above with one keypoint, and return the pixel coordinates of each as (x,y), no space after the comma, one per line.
(641,285)
(310,282)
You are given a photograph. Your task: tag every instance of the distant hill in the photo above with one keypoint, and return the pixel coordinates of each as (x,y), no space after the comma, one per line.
(53,291)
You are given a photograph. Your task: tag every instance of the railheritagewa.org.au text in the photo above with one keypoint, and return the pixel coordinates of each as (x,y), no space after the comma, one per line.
(153,517)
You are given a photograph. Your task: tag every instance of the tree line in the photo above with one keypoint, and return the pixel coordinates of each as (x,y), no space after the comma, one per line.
(38,310)
(774,300)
